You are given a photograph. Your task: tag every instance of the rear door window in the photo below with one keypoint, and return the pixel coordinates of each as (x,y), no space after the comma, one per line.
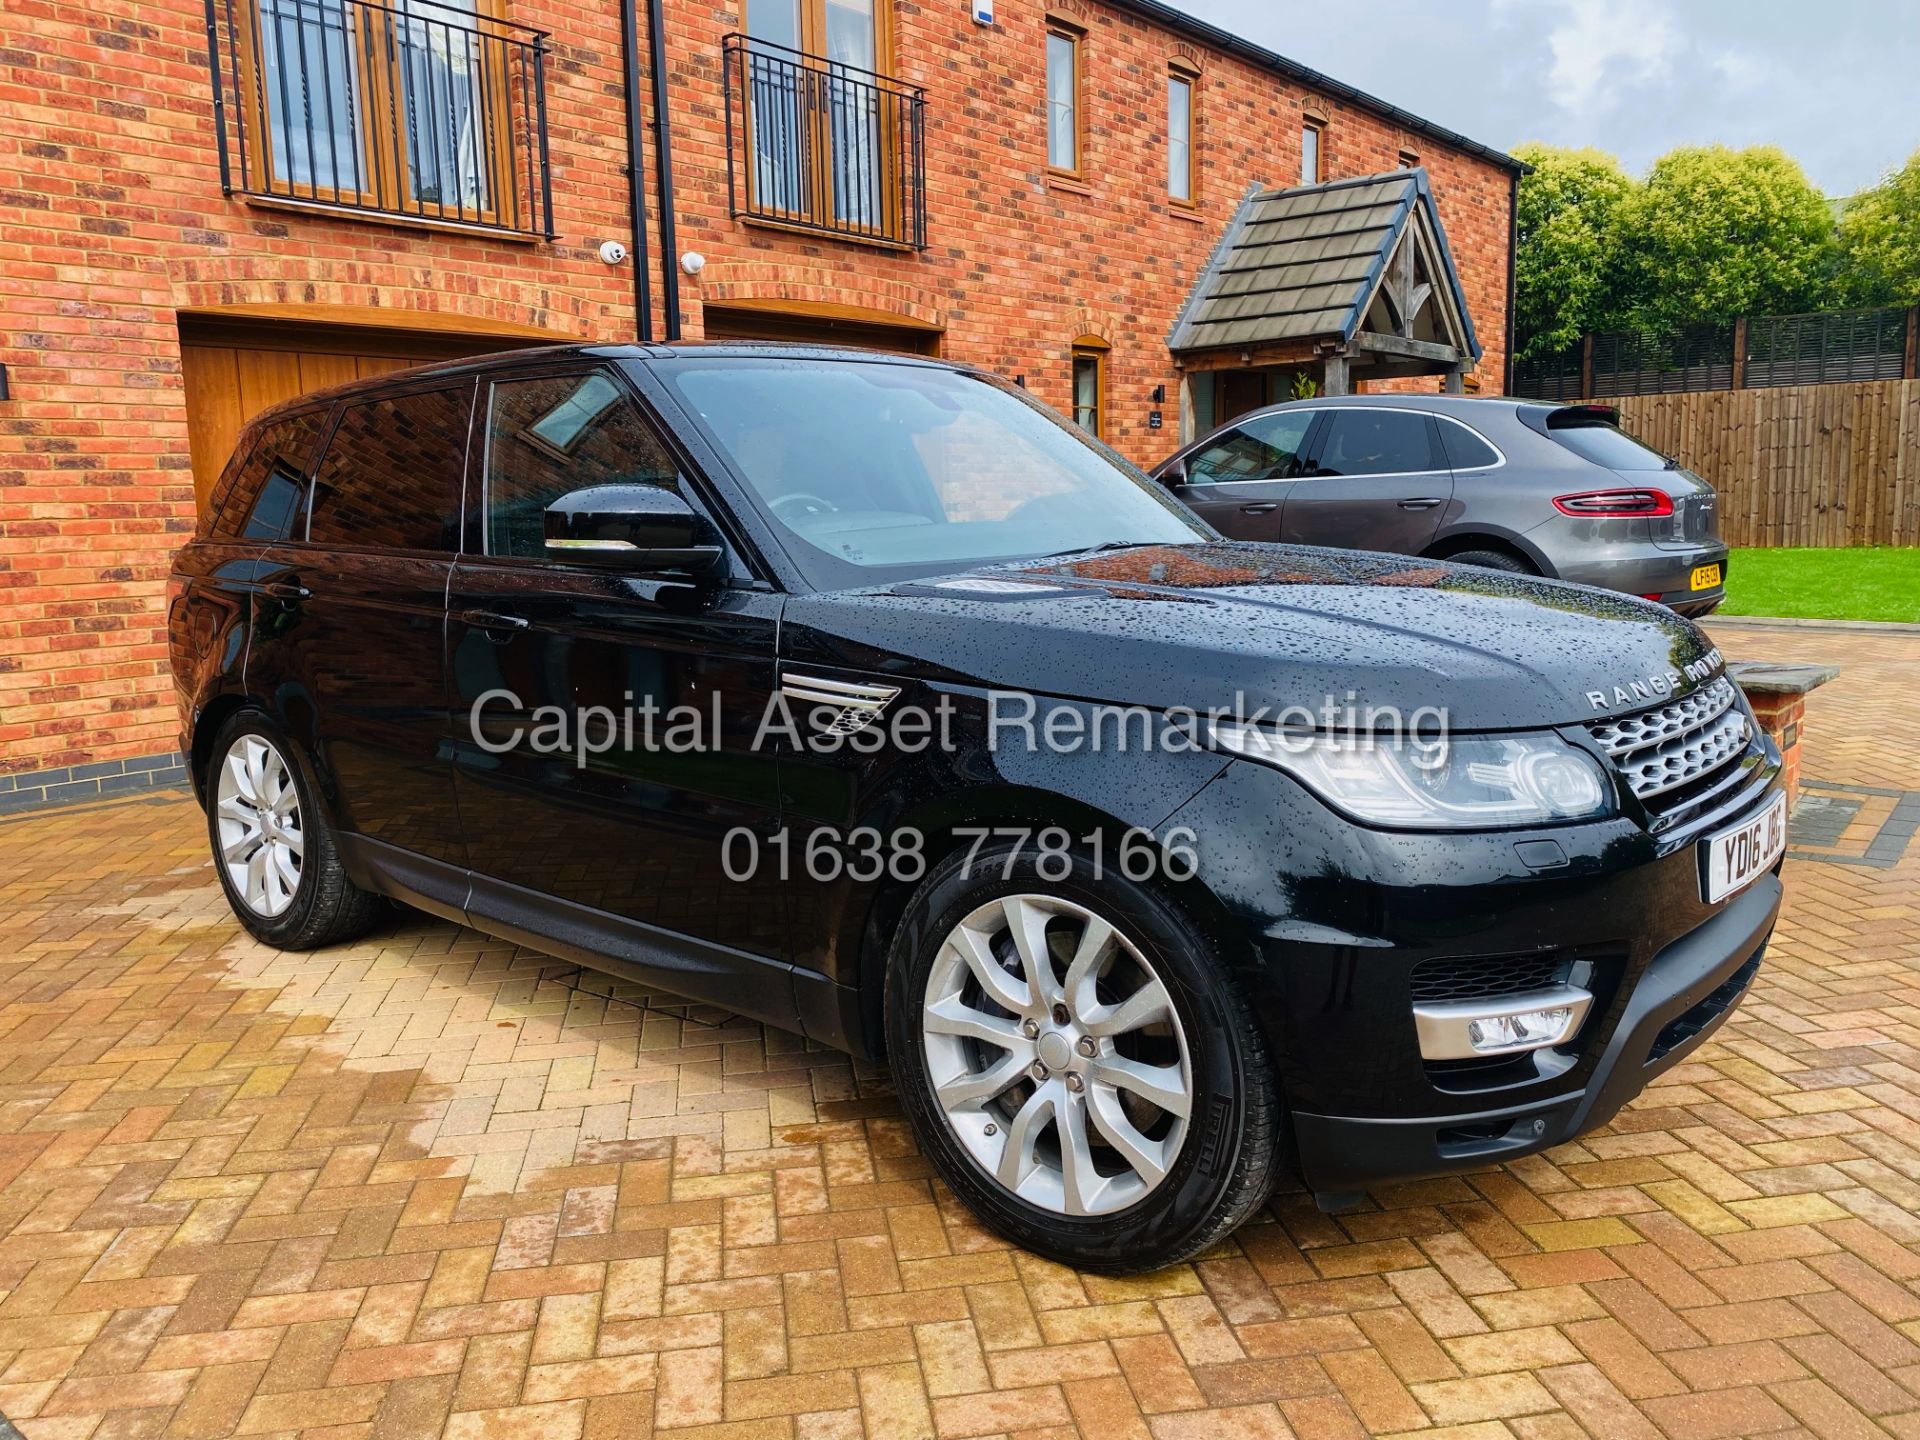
(1465,449)
(1376,442)
(550,436)
(1606,445)
(392,472)
(261,494)
(1267,447)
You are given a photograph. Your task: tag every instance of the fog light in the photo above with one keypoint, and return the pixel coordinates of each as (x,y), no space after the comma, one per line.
(1511,1032)
(1511,1025)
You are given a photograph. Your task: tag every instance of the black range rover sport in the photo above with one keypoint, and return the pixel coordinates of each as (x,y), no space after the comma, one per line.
(862,696)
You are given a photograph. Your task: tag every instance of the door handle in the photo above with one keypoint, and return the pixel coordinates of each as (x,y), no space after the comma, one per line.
(494,623)
(1425,502)
(287,590)
(1266,507)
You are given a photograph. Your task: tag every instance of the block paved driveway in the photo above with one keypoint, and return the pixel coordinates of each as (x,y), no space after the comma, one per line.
(430,1182)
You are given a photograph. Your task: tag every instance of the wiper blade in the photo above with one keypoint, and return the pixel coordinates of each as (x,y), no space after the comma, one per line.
(1105,545)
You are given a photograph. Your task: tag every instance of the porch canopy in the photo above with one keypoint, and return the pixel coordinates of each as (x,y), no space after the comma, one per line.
(1353,275)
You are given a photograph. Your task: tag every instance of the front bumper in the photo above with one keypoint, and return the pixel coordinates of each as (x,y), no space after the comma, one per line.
(1680,999)
(1337,927)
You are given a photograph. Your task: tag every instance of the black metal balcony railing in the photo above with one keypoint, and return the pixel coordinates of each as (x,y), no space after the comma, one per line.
(418,108)
(823,146)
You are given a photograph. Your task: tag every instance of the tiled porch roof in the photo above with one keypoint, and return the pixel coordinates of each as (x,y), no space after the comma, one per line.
(1304,264)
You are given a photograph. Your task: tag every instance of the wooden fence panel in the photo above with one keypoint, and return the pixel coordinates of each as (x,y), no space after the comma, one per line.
(1798,464)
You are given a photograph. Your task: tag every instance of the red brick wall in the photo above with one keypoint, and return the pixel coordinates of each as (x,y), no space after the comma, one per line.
(1019,267)
(112,221)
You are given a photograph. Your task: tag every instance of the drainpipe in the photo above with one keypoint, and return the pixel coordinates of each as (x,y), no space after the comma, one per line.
(636,211)
(663,171)
(1513,279)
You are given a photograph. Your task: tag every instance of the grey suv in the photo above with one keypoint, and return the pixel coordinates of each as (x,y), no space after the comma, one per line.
(1543,489)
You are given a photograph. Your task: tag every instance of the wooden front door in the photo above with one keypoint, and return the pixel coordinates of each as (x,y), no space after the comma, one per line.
(235,369)
(1238,392)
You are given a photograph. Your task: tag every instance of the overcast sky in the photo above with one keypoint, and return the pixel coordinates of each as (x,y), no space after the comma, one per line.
(1835,83)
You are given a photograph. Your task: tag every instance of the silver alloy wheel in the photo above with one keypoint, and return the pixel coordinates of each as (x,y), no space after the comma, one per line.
(258,810)
(1056,1055)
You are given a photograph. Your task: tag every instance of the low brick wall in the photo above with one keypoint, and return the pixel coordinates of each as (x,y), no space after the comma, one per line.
(1778,694)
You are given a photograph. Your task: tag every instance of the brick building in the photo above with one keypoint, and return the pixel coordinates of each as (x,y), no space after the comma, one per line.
(209,205)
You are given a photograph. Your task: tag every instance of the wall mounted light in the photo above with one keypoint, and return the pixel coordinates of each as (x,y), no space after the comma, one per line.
(6,392)
(1159,394)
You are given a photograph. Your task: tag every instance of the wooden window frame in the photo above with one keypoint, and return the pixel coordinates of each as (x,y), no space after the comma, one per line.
(817,128)
(1317,126)
(381,167)
(1186,74)
(1059,29)
(1090,347)
(813,32)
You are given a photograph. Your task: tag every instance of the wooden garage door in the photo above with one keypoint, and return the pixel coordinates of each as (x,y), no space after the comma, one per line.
(236,369)
(818,329)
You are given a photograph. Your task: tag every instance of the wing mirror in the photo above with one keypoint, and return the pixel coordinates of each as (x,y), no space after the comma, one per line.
(632,527)
(1174,475)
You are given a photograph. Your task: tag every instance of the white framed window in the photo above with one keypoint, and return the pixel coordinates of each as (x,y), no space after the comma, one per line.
(1063,101)
(1180,187)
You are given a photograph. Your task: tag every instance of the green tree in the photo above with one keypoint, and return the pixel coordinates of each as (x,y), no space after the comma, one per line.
(1716,233)
(1880,241)
(1565,263)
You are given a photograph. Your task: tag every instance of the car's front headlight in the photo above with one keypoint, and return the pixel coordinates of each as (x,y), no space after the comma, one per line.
(1475,782)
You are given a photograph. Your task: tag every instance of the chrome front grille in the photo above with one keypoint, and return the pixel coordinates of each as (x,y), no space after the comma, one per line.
(1662,749)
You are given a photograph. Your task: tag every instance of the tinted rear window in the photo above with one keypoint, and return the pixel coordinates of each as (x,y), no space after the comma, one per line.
(1606,445)
(391,475)
(1376,442)
(1465,449)
(261,490)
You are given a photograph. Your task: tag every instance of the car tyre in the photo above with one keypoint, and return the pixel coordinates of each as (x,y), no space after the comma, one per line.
(1054,1111)
(1493,560)
(273,847)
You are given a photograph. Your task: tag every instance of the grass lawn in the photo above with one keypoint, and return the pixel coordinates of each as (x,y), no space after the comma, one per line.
(1869,583)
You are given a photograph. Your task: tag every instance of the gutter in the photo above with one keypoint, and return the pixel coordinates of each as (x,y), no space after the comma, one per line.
(636,210)
(1267,59)
(663,170)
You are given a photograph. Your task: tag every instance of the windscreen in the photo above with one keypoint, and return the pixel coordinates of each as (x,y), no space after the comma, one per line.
(876,471)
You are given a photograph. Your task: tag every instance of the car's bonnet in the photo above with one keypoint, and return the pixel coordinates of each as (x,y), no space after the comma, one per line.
(1200,626)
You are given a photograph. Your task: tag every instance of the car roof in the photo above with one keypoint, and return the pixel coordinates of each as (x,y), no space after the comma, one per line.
(1461,405)
(562,354)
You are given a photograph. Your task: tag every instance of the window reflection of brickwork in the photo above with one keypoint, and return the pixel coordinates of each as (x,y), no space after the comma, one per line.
(282,451)
(548,438)
(979,475)
(391,476)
